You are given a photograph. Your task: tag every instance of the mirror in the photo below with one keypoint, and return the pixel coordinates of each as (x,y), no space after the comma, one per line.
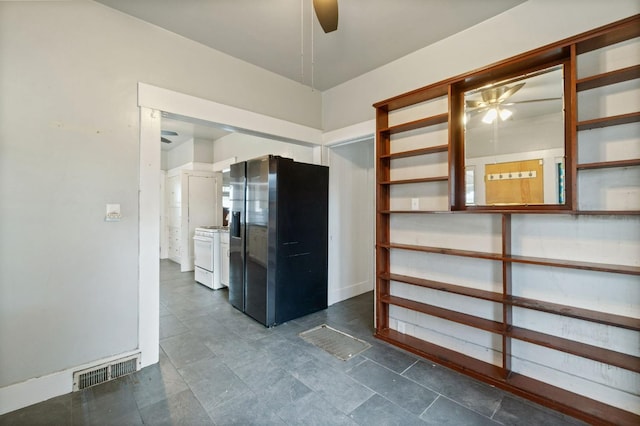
(514,141)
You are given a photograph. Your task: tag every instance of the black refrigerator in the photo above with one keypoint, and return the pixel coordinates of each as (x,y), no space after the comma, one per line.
(278,238)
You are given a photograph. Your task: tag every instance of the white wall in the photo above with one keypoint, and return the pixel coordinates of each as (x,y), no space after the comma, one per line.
(245,147)
(191,151)
(202,150)
(527,26)
(351,220)
(69,144)
(179,155)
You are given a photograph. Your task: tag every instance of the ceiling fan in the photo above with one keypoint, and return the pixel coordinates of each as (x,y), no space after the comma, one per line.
(327,13)
(167,133)
(494,100)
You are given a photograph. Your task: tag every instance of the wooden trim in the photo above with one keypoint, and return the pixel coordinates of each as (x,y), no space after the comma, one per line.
(570,131)
(456,149)
(607,35)
(507,311)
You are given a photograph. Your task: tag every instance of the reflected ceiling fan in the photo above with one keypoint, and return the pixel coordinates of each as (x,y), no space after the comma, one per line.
(167,133)
(492,99)
(327,13)
(493,102)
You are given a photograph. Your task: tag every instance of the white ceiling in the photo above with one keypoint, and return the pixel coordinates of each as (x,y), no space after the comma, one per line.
(283,36)
(188,130)
(276,34)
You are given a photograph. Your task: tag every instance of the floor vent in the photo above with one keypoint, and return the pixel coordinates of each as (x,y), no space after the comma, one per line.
(337,343)
(104,372)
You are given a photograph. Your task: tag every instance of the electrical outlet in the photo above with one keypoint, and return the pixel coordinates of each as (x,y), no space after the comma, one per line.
(415,204)
(401,327)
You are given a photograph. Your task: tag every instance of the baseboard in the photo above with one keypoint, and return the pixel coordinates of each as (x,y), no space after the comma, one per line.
(38,389)
(344,293)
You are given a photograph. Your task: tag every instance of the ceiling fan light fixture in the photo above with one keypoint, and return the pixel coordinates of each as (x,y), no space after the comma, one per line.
(490,115)
(327,13)
(505,114)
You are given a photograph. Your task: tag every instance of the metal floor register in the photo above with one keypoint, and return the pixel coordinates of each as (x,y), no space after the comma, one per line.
(335,342)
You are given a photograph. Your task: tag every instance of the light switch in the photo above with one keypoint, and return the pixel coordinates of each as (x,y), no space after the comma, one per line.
(415,204)
(113,213)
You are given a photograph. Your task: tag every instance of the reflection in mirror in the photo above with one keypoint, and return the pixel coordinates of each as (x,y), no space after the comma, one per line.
(514,141)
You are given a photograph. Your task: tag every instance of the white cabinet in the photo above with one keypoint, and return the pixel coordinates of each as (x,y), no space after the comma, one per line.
(193,199)
(173,199)
(224,258)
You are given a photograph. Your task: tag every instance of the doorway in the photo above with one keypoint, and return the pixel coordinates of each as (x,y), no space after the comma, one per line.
(351,219)
(152,100)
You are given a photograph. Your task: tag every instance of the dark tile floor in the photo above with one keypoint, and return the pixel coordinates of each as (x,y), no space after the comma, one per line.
(217,366)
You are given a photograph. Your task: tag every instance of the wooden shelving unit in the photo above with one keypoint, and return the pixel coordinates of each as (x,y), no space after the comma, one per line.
(503,258)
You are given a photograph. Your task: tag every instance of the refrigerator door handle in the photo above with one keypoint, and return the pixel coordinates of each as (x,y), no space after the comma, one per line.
(235,225)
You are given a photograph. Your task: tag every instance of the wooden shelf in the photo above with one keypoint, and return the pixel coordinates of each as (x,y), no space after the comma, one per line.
(583,350)
(609,164)
(445,251)
(607,78)
(554,397)
(614,120)
(417,124)
(573,264)
(455,360)
(531,260)
(418,180)
(521,302)
(416,152)
(449,315)
(608,212)
(535,212)
(590,410)
(414,211)
(509,274)
(575,312)
(449,288)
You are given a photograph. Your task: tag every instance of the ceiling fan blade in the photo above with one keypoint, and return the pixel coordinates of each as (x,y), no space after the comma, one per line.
(534,100)
(168,133)
(327,13)
(510,92)
(476,104)
(165,140)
